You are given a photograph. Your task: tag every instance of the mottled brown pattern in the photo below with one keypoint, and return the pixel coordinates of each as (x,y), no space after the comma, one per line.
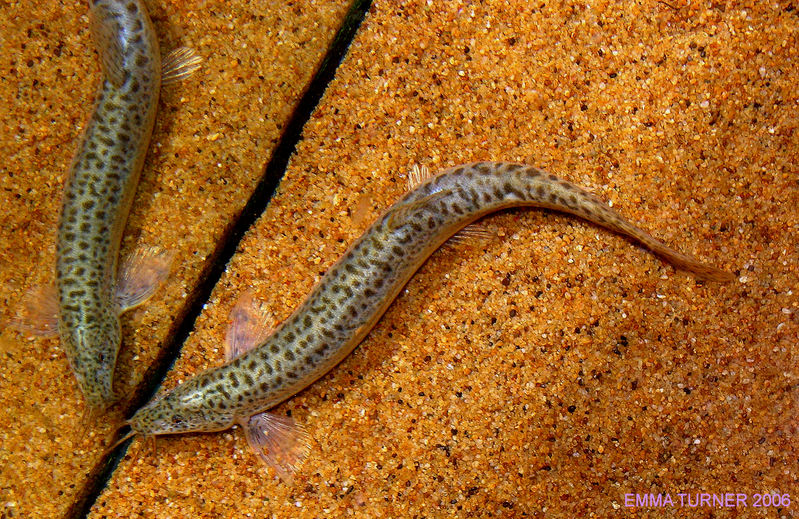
(357,290)
(100,189)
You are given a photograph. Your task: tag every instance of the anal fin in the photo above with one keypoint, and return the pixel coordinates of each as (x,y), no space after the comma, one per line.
(179,64)
(473,234)
(278,441)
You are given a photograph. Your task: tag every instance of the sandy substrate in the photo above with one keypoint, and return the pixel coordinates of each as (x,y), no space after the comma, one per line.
(557,371)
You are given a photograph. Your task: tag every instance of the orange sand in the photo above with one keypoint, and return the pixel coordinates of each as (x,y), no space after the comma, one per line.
(548,373)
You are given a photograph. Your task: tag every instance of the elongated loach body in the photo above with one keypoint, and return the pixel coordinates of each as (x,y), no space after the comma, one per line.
(100,189)
(357,290)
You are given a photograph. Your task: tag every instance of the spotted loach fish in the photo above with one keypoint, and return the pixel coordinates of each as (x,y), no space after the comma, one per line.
(265,368)
(90,292)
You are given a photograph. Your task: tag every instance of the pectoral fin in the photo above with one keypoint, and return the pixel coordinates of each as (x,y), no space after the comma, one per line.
(38,313)
(140,275)
(250,325)
(278,441)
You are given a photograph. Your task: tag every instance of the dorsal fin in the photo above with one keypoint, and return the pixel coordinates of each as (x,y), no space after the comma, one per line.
(400,215)
(418,175)
(105,29)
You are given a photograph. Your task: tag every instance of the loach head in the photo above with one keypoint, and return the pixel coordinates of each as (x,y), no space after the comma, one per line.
(184,409)
(95,360)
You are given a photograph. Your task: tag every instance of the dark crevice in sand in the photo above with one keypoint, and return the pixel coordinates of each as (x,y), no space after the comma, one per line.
(256,205)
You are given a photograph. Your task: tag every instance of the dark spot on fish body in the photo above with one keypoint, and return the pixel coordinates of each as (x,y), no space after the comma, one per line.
(377,244)
(541,190)
(510,168)
(470,195)
(431,223)
(512,189)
